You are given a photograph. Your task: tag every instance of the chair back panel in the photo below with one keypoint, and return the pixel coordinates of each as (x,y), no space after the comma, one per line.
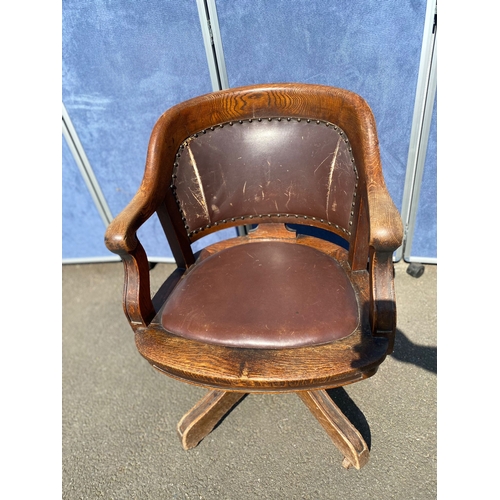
(263,168)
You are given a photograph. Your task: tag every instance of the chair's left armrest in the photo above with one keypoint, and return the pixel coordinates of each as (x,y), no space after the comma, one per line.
(386,236)
(386,226)
(382,296)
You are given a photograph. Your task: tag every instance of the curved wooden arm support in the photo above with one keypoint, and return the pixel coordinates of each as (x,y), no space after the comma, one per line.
(382,296)
(379,227)
(386,236)
(137,302)
(386,226)
(121,238)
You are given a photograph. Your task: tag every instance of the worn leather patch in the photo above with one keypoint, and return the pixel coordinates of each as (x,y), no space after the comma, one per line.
(263,294)
(265,167)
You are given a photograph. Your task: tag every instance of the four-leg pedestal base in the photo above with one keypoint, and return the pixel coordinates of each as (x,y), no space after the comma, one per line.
(204,416)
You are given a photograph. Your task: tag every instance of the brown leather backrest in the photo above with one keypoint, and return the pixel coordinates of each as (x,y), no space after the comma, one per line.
(255,170)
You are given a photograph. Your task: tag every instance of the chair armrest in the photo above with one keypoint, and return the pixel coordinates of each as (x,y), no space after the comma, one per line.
(385,236)
(382,296)
(121,235)
(385,226)
(137,302)
(121,238)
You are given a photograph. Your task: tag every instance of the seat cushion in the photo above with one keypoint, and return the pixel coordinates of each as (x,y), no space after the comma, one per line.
(263,294)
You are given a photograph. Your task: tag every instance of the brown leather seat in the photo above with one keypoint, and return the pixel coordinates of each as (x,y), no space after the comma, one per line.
(263,295)
(271,310)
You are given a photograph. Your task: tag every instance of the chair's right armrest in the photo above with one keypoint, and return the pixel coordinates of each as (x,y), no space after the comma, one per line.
(121,235)
(121,238)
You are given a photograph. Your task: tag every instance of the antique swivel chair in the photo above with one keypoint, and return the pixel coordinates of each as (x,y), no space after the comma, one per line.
(274,310)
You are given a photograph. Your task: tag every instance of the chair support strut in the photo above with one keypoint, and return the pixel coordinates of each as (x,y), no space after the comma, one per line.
(343,434)
(204,416)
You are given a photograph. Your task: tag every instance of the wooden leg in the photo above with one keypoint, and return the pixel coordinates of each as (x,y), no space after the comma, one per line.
(203,417)
(343,434)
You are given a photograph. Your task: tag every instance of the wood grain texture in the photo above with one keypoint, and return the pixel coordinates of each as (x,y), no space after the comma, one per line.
(343,434)
(137,302)
(198,422)
(269,370)
(383,299)
(359,247)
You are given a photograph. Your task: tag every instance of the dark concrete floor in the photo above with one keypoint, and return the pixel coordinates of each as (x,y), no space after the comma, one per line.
(120,415)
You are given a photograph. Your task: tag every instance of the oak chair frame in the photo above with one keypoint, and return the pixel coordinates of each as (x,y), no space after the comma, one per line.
(229,372)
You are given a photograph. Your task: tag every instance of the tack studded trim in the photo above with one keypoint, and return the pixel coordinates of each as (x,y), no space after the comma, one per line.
(261,216)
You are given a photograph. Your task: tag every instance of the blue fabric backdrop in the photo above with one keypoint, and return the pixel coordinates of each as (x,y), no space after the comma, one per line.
(424,243)
(82,225)
(124,64)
